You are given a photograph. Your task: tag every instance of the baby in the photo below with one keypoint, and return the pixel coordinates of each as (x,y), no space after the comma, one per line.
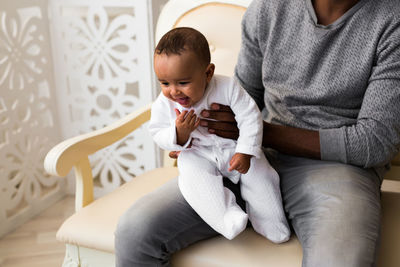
(182,65)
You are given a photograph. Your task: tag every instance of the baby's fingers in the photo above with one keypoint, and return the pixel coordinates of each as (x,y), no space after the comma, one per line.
(190,114)
(181,116)
(193,119)
(233,165)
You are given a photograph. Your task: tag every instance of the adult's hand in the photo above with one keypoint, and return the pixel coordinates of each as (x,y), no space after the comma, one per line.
(292,141)
(282,138)
(220,120)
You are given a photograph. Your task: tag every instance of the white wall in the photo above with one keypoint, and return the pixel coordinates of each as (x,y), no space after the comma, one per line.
(69,67)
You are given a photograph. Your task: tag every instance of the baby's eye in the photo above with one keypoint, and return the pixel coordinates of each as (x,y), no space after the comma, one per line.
(164,83)
(183,83)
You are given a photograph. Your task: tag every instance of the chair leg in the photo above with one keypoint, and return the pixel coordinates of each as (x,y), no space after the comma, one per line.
(71,256)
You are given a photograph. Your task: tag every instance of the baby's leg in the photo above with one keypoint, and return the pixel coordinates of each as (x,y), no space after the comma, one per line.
(201,185)
(260,189)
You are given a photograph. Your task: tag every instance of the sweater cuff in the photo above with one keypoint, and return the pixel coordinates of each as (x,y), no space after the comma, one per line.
(249,150)
(332,145)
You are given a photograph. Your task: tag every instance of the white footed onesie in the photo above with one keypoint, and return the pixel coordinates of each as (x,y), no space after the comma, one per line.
(203,165)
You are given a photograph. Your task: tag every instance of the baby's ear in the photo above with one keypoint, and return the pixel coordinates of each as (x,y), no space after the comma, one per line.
(210,71)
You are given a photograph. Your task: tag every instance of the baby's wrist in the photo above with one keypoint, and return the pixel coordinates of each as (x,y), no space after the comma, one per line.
(247,156)
(181,137)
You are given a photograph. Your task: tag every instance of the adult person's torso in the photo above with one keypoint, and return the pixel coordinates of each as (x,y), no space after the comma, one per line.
(315,76)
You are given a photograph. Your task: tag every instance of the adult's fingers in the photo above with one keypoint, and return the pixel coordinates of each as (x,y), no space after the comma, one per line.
(225,134)
(220,107)
(219,125)
(218,115)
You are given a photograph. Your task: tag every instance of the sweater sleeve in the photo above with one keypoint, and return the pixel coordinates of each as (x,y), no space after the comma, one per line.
(162,127)
(375,139)
(248,69)
(249,121)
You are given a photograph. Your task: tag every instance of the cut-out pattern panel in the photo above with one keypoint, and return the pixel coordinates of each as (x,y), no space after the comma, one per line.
(28,128)
(103,52)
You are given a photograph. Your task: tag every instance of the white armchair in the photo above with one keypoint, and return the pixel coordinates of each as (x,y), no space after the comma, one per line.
(89,233)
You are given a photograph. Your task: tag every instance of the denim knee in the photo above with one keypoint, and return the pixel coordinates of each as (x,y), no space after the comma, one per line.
(136,237)
(334,209)
(328,250)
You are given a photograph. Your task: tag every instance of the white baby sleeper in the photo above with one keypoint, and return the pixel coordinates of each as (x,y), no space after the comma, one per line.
(206,162)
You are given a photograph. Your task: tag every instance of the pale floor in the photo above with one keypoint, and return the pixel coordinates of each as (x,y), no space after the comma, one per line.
(34,243)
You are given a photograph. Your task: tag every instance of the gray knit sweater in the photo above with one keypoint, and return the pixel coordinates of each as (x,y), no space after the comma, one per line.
(342,79)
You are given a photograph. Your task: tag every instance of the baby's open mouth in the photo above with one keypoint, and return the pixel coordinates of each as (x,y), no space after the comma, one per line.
(183,100)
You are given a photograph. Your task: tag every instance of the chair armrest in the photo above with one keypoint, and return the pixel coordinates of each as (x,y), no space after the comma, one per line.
(62,157)
(396,160)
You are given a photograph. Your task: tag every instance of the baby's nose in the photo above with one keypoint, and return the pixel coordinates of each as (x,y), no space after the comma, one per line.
(174,90)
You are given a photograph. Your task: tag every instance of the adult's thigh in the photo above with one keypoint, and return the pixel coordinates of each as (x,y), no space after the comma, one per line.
(334,209)
(156,226)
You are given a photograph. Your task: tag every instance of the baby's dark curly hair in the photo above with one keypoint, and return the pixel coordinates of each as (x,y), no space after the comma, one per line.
(183,39)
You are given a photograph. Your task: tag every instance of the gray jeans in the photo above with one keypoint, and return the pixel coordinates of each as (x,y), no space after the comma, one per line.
(333,208)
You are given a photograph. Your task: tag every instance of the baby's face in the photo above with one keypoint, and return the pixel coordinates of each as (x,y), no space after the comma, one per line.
(183,79)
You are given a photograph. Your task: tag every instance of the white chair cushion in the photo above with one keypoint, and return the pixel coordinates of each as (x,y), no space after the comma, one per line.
(93,227)
(250,247)
(389,251)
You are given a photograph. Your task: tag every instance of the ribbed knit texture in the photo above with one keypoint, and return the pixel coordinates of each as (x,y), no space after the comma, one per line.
(201,171)
(342,79)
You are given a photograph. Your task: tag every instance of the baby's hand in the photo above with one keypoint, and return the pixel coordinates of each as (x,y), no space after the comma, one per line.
(240,162)
(186,122)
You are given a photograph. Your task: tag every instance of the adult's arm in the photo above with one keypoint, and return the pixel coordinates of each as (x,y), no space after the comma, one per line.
(248,119)
(248,71)
(288,140)
(375,137)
